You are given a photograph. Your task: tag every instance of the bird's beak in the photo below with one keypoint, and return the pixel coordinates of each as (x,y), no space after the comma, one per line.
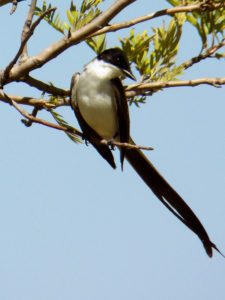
(129,74)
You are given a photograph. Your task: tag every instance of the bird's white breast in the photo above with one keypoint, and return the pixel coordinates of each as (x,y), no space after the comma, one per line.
(96,101)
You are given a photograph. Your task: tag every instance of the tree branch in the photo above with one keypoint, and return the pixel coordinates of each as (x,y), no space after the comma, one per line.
(125,145)
(142,88)
(26,29)
(169,12)
(207,54)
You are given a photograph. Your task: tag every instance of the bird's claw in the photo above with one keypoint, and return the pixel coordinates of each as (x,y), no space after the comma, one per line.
(110,144)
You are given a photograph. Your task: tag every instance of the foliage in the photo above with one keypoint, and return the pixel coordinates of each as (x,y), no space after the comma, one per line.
(53,18)
(79,17)
(155,56)
(97,43)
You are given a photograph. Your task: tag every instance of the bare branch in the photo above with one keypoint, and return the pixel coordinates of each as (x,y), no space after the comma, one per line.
(169,12)
(142,88)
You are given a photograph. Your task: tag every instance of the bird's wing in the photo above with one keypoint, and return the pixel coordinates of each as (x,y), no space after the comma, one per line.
(123,115)
(88,132)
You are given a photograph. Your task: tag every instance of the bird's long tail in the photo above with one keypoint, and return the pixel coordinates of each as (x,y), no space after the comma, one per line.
(168,196)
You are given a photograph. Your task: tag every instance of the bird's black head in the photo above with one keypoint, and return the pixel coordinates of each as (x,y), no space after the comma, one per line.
(118,58)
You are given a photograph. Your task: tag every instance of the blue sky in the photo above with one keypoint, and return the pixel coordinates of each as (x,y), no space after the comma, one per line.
(73,228)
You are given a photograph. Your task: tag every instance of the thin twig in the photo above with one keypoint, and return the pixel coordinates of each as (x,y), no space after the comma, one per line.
(207,54)
(24,38)
(22,45)
(14,6)
(29,122)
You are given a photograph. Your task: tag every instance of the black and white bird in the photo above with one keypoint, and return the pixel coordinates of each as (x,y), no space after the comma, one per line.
(99,102)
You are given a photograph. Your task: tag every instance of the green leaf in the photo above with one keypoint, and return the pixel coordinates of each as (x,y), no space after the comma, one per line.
(59,119)
(97,43)
(88,11)
(52,19)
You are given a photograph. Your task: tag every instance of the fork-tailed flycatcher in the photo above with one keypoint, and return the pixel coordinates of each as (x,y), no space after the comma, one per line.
(99,102)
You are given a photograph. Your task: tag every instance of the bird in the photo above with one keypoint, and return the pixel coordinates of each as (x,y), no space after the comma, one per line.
(97,97)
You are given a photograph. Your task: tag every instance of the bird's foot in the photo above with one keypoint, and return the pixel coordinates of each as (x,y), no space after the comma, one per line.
(111,144)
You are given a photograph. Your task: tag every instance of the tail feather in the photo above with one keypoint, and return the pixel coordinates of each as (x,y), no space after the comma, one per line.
(168,196)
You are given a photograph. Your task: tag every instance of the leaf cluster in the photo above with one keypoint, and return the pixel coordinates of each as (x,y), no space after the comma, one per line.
(155,56)
(77,18)
(88,11)
(53,18)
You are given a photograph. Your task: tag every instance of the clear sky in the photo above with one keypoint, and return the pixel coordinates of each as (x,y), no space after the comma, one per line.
(73,228)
